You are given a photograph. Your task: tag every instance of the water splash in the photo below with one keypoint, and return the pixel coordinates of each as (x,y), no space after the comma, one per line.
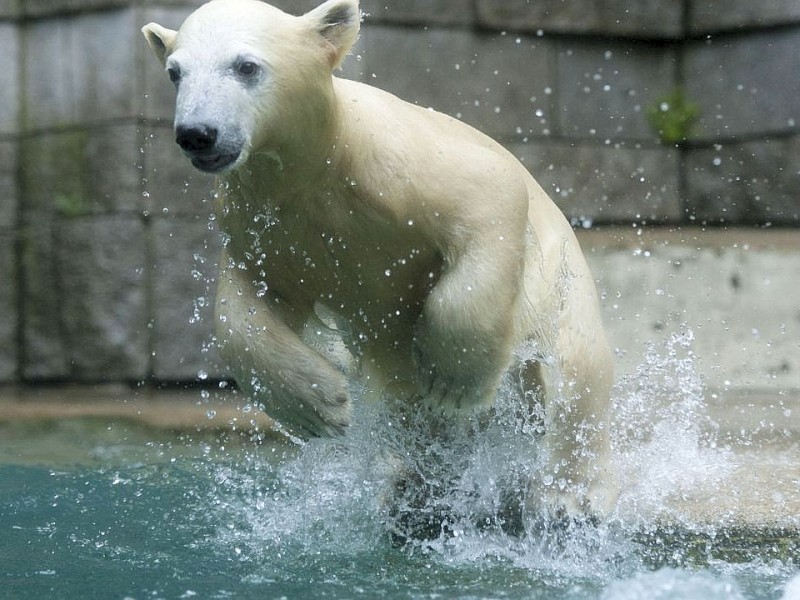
(673,584)
(665,443)
(341,497)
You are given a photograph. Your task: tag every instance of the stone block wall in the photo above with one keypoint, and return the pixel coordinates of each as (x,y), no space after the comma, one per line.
(106,248)
(9,199)
(99,223)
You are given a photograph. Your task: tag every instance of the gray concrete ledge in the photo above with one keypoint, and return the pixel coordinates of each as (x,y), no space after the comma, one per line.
(163,410)
(735,289)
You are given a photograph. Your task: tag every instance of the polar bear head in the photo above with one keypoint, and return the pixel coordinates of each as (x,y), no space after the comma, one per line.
(251,78)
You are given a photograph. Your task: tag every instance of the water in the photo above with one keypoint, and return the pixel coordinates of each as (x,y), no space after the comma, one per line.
(240,518)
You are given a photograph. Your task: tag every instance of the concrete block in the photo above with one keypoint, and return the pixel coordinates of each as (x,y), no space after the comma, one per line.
(53,175)
(48,94)
(745,85)
(104,56)
(9,78)
(420,12)
(749,183)
(81,171)
(172,185)
(606,183)
(190,5)
(44,353)
(83,310)
(705,16)
(735,290)
(604,88)
(9,308)
(500,84)
(297,7)
(10,9)
(101,263)
(631,18)
(410,12)
(9,203)
(186,251)
(46,8)
(80,70)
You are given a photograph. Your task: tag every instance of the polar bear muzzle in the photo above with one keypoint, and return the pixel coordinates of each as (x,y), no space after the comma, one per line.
(199,143)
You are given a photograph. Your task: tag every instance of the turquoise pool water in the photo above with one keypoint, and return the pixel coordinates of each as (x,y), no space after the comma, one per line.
(96,509)
(233,524)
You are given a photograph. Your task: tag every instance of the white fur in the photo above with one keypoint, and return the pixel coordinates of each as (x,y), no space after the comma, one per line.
(433,246)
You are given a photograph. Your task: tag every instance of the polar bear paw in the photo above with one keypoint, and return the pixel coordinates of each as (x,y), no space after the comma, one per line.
(316,415)
(450,393)
(579,504)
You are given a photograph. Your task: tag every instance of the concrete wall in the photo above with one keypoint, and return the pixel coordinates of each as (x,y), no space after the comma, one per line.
(735,290)
(106,250)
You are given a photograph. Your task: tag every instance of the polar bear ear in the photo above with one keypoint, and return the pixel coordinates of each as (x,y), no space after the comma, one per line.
(337,21)
(160,39)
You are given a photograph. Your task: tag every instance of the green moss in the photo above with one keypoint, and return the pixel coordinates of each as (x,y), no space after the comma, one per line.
(71,205)
(673,116)
(56,173)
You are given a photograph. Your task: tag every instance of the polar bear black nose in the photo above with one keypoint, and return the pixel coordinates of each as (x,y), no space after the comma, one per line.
(195,138)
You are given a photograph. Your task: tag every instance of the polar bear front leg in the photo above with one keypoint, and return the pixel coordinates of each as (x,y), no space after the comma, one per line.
(582,481)
(463,340)
(298,386)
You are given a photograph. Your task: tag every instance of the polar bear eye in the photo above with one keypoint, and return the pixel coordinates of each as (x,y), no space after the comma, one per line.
(174,74)
(247,69)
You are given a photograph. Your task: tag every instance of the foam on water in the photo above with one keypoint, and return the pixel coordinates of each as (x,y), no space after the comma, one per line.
(339,497)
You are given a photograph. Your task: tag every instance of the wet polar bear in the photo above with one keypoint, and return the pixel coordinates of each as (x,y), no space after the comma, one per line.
(433,246)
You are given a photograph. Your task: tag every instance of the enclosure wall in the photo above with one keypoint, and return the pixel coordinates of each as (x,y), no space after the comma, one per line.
(654,117)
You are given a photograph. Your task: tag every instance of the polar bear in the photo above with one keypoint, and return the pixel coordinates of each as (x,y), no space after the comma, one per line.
(431,244)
